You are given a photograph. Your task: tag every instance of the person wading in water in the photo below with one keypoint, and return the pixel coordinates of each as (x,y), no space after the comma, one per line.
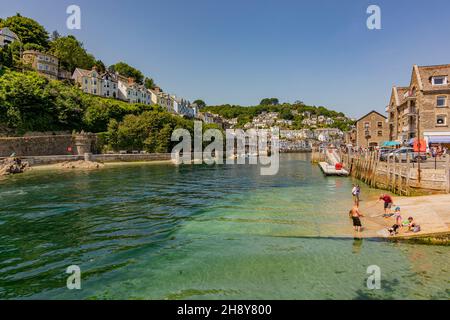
(355,214)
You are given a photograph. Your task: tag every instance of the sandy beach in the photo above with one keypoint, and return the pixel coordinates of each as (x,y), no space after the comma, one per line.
(57,166)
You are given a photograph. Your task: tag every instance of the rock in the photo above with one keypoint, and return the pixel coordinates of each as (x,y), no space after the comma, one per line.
(13,165)
(81,164)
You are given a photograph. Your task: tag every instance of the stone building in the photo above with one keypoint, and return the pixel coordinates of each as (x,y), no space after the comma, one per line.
(371,130)
(350,137)
(422,106)
(44,63)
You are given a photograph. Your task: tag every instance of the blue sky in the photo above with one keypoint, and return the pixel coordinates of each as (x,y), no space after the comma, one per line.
(240,51)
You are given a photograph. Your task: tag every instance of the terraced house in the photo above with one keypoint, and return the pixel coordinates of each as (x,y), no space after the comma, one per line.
(133,92)
(91,81)
(422,108)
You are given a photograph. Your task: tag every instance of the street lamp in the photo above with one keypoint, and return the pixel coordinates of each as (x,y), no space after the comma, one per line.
(368,137)
(417,114)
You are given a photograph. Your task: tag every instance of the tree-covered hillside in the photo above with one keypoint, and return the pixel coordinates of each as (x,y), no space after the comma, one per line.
(296,112)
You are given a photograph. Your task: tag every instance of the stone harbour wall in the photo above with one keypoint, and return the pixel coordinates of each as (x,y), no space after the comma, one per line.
(46,145)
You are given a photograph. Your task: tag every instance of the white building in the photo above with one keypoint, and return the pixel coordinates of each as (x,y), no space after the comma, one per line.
(109,85)
(183,107)
(7,37)
(165,101)
(93,82)
(132,92)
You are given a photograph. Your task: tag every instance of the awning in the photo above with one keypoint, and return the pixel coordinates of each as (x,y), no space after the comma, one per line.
(438,139)
(391,143)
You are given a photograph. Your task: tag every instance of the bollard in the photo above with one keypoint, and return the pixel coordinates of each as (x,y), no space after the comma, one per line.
(88,156)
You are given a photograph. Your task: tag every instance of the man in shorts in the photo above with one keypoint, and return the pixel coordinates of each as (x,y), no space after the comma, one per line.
(388,203)
(355,214)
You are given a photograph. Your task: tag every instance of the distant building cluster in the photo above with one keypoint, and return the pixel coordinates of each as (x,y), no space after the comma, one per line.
(113,85)
(105,84)
(312,120)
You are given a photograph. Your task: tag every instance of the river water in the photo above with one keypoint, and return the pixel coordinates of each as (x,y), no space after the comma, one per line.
(156,231)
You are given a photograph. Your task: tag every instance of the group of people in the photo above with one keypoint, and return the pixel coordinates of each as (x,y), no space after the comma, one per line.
(438,151)
(399,223)
(388,202)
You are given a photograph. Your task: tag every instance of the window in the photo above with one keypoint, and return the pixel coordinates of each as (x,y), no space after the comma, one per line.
(366,125)
(439,81)
(380,125)
(380,133)
(441,101)
(441,120)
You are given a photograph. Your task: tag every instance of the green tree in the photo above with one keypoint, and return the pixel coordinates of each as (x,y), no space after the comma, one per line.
(128,71)
(269,102)
(100,66)
(28,30)
(55,35)
(286,114)
(71,54)
(6,57)
(200,103)
(33,46)
(149,83)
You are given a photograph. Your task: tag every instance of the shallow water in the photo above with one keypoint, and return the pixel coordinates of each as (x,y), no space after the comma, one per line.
(200,232)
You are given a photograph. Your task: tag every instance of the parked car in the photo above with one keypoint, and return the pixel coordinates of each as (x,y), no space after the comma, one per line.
(384,152)
(402,154)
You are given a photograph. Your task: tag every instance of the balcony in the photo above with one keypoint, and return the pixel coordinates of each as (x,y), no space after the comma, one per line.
(409,95)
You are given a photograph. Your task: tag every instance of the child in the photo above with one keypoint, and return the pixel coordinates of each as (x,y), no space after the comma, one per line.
(398,222)
(398,216)
(412,226)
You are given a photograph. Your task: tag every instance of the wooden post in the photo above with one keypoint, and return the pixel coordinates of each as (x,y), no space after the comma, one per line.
(388,171)
(408,175)
(447,172)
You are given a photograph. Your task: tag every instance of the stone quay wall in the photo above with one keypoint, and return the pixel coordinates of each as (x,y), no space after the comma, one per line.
(104,158)
(48,145)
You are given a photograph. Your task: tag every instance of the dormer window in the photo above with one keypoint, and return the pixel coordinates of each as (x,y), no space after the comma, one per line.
(439,81)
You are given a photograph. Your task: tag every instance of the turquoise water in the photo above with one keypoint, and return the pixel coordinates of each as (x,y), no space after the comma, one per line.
(200,232)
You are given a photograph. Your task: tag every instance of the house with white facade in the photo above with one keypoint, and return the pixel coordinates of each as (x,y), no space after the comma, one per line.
(96,83)
(109,85)
(89,81)
(165,100)
(7,37)
(183,107)
(133,92)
